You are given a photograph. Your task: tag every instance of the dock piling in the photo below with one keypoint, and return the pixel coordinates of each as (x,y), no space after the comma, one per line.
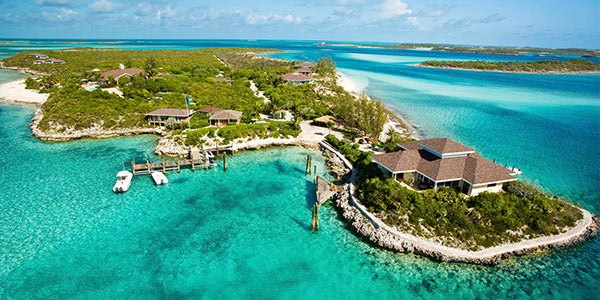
(308,163)
(133,165)
(224,161)
(314,226)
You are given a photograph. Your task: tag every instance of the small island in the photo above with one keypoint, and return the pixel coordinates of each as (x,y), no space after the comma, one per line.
(477,49)
(433,197)
(572,66)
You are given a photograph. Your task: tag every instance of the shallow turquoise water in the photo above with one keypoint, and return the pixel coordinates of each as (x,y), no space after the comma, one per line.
(243,233)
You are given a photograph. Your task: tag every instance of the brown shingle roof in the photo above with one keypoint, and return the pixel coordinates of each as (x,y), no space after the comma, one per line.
(295,77)
(305,64)
(170,112)
(471,167)
(226,115)
(120,72)
(440,169)
(444,146)
(414,145)
(210,109)
(400,161)
(481,170)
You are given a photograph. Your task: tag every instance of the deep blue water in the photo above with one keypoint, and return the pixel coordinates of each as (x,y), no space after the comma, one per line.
(243,233)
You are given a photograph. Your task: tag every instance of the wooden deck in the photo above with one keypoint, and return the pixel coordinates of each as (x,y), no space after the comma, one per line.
(168,166)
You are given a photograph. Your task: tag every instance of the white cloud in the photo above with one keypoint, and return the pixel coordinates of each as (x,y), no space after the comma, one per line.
(257,19)
(153,13)
(392,8)
(59,15)
(413,21)
(103,6)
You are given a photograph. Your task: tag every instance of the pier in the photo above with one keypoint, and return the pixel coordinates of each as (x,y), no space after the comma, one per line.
(197,160)
(325,191)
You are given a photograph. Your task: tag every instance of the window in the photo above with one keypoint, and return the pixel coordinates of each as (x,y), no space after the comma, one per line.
(491,185)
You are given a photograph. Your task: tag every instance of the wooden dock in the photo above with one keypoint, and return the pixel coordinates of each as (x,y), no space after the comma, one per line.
(168,166)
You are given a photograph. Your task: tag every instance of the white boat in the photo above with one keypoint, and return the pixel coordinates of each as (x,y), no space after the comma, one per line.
(123,183)
(159,178)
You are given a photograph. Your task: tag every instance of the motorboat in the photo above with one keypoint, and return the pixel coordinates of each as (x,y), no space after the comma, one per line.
(123,182)
(159,178)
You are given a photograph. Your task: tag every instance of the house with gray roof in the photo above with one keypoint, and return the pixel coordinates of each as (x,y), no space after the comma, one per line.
(296,78)
(161,115)
(225,117)
(443,162)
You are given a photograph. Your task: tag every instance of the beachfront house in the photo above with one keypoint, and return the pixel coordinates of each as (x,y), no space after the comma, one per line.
(160,116)
(55,61)
(210,109)
(296,78)
(304,64)
(39,55)
(443,162)
(225,117)
(305,71)
(116,74)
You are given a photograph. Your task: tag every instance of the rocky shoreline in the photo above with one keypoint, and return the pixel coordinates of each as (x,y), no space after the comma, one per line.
(368,226)
(381,237)
(96,132)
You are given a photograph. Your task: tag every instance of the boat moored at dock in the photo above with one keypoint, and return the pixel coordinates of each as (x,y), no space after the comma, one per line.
(123,182)
(159,178)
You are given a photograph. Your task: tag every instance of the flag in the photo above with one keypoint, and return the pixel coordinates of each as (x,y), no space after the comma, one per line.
(189,100)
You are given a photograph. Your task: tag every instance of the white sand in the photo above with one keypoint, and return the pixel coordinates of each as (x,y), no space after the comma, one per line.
(348,84)
(15,91)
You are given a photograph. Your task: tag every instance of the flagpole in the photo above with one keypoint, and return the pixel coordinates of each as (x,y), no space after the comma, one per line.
(187,112)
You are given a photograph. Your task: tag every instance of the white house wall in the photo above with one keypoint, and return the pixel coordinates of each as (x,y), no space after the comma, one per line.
(476,190)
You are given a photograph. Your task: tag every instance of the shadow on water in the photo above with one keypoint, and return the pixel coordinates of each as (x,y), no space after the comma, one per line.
(300,223)
(311,197)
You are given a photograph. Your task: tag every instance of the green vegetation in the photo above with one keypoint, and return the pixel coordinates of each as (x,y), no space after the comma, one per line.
(520,211)
(170,75)
(32,84)
(488,219)
(394,138)
(232,132)
(249,61)
(357,158)
(80,60)
(325,66)
(543,66)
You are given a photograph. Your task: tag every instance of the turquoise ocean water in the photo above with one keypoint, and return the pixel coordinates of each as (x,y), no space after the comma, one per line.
(244,233)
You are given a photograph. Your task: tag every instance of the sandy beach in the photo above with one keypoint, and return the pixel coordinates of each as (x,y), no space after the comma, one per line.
(348,84)
(16,92)
(396,122)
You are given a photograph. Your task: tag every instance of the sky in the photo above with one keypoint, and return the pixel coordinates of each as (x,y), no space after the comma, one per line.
(549,23)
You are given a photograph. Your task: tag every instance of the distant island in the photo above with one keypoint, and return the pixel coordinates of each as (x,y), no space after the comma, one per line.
(479,49)
(537,67)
